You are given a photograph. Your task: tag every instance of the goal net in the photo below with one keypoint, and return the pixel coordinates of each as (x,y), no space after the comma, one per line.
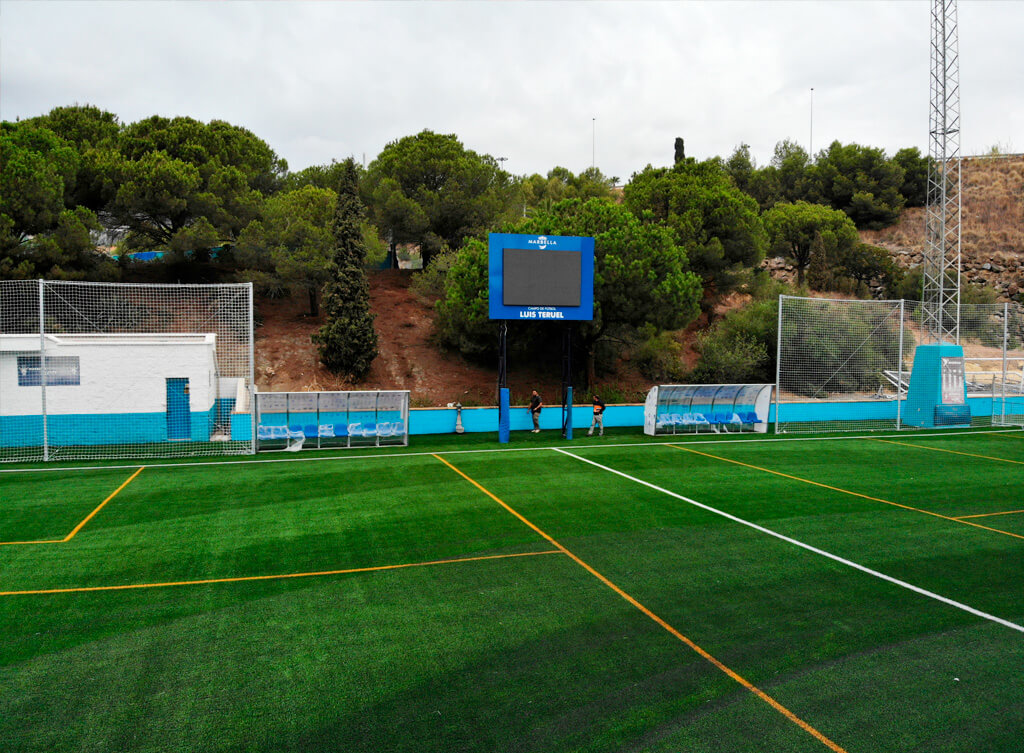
(845,365)
(100,370)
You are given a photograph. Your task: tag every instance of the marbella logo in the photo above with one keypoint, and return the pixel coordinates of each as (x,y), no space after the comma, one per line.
(542,241)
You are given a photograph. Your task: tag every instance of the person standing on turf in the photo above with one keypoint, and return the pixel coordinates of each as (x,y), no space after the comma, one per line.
(598,419)
(535,405)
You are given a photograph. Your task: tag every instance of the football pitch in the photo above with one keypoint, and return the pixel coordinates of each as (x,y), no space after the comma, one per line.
(860,594)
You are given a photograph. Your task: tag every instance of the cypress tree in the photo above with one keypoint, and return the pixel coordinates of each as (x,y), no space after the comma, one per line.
(348,342)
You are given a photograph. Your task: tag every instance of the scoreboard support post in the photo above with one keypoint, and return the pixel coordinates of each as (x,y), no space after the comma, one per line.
(567,383)
(504,409)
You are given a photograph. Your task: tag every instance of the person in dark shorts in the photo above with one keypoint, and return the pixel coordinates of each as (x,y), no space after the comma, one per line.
(598,419)
(535,405)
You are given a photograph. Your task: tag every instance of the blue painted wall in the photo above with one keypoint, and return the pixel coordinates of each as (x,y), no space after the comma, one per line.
(241,427)
(91,429)
(869,409)
(96,429)
(442,420)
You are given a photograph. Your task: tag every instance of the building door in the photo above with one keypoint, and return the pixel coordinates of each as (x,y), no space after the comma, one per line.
(179,416)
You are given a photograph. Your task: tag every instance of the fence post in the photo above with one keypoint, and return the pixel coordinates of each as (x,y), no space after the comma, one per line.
(42,370)
(899,375)
(1006,337)
(778,363)
(252,375)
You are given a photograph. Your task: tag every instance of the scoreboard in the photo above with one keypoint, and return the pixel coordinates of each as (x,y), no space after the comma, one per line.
(541,277)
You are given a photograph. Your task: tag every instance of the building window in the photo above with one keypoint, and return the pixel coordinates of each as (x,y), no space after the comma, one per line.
(60,370)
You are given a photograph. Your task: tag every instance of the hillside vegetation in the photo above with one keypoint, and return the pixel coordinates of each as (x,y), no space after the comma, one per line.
(992,236)
(684,253)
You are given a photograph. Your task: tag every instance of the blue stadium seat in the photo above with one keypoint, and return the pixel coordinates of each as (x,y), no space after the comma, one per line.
(279,432)
(365,429)
(698,420)
(749,417)
(723,420)
(310,431)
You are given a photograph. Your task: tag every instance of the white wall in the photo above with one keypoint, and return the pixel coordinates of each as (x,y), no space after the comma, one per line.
(115,377)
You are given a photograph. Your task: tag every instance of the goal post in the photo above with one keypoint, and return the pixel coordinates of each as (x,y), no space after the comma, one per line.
(93,370)
(847,365)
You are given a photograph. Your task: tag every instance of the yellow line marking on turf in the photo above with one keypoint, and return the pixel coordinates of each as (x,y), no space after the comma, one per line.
(91,515)
(952,452)
(273,577)
(88,517)
(990,514)
(844,491)
(671,630)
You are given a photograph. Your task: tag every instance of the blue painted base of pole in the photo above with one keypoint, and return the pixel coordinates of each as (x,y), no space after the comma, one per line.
(567,414)
(938,390)
(504,416)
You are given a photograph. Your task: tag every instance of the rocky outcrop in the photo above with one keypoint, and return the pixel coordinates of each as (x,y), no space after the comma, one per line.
(992,229)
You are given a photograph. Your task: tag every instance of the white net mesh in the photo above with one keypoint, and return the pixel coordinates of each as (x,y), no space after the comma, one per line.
(846,365)
(100,370)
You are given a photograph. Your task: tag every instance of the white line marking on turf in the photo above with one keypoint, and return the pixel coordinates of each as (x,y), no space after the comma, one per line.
(379,453)
(808,547)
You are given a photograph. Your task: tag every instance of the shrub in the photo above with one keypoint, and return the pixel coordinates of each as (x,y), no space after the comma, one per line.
(428,285)
(658,358)
(727,360)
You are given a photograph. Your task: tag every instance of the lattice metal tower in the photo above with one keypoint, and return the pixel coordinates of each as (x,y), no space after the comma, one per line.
(941,267)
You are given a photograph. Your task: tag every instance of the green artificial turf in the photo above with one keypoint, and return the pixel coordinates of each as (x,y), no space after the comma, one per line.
(480,651)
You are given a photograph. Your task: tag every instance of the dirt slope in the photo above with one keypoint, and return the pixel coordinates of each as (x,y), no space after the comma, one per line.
(286,359)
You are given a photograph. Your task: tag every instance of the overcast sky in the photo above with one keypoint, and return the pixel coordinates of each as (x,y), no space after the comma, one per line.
(539,83)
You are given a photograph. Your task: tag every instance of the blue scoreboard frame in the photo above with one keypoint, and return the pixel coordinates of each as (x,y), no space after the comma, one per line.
(497,246)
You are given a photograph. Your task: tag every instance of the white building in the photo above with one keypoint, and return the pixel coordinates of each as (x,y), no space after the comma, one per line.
(111,388)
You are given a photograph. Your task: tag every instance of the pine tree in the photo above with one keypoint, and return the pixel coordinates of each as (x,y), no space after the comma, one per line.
(348,342)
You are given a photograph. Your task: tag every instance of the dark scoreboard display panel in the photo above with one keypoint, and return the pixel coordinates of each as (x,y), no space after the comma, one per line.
(541,277)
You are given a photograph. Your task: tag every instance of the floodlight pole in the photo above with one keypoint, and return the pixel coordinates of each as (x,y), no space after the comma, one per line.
(593,142)
(810,147)
(941,265)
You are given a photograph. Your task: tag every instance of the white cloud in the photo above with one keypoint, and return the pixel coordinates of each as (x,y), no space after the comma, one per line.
(542,83)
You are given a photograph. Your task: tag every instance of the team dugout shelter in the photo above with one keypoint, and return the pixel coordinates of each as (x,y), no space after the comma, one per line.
(542,278)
